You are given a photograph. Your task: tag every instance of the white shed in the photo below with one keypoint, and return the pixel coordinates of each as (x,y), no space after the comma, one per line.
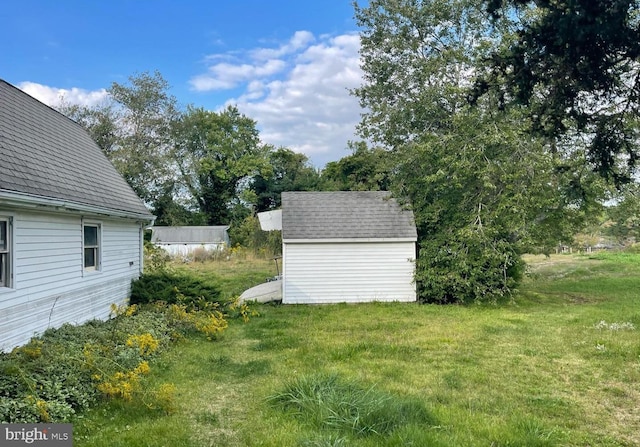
(71,228)
(183,240)
(347,246)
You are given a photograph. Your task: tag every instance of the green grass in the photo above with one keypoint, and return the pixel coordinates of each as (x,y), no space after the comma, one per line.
(235,275)
(542,370)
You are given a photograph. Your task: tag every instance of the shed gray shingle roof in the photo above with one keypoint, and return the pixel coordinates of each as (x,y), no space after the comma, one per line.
(190,235)
(344,215)
(45,154)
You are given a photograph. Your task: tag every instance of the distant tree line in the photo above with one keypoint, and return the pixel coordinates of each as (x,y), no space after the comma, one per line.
(200,167)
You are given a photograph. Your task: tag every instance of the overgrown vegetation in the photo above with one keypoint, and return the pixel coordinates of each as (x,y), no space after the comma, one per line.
(67,370)
(557,365)
(175,288)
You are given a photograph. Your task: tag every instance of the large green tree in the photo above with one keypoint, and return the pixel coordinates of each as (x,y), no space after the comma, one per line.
(133,129)
(364,170)
(575,65)
(217,155)
(290,171)
(146,112)
(416,56)
(482,188)
(100,121)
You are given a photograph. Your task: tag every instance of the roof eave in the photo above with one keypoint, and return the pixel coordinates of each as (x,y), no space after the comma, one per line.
(23,200)
(348,240)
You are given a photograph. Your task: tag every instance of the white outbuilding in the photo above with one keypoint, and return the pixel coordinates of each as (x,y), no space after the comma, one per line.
(184,240)
(347,246)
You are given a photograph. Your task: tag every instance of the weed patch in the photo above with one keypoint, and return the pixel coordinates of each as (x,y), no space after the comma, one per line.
(69,369)
(331,403)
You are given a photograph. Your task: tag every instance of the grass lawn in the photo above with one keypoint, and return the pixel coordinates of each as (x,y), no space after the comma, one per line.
(560,365)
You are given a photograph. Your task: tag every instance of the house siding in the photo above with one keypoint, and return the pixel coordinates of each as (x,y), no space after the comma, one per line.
(50,286)
(316,273)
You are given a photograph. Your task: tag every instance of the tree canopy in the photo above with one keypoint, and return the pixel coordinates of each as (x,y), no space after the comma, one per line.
(484,189)
(575,66)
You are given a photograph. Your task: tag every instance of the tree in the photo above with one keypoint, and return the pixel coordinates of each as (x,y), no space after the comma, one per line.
(417,57)
(483,189)
(170,208)
(133,129)
(217,155)
(290,171)
(575,65)
(364,170)
(483,194)
(147,113)
(624,216)
(100,121)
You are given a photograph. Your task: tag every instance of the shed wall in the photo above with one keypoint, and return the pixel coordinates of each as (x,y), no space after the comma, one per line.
(50,285)
(316,273)
(185,250)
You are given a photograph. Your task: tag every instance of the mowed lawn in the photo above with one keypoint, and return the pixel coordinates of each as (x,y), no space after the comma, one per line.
(558,365)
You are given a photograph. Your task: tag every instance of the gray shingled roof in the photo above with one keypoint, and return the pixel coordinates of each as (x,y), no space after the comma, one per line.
(344,215)
(190,235)
(46,155)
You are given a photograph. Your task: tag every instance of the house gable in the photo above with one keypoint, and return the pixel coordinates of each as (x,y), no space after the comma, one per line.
(48,158)
(72,227)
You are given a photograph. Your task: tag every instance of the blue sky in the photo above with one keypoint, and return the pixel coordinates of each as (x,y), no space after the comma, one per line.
(286,64)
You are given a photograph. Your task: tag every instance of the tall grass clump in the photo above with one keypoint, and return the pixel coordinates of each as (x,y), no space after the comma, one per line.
(331,403)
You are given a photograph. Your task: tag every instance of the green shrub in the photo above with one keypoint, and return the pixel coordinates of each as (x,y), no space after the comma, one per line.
(248,234)
(468,266)
(174,288)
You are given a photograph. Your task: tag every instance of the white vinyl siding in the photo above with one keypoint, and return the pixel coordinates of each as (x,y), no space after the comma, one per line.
(49,285)
(348,272)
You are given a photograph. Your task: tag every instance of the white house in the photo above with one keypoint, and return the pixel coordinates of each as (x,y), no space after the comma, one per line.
(347,246)
(71,228)
(182,241)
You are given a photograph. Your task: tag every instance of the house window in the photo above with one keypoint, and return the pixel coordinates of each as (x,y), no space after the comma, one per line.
(91,246)
(5,252)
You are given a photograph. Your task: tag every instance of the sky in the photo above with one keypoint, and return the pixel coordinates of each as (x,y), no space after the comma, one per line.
(286,64)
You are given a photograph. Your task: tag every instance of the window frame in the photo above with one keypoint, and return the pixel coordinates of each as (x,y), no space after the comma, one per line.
(7,283)
(97,267)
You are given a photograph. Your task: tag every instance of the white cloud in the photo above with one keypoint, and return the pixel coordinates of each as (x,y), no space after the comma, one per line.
(54,96)
(303,102)
(225,76)
(300,40)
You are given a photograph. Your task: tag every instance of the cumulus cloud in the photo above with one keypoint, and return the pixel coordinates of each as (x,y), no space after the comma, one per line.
(53,96)
(299,40)
(225,76)
(303,101)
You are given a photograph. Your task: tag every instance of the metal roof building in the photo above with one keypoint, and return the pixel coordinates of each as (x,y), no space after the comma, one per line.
(182,240)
